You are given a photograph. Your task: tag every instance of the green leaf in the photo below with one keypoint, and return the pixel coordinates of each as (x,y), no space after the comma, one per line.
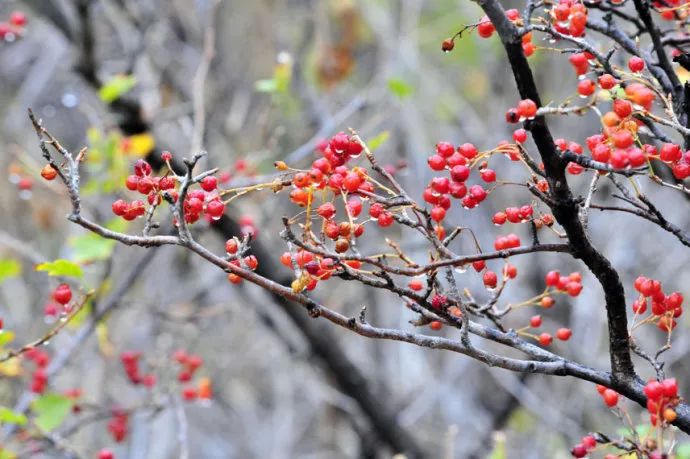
(375,142)
(7,416)
(51,410)
(91,247)
(400,88)
(499,451)
(6,336)
(61,268)
(9,268)
(116,87)
(683,451)
(266,85)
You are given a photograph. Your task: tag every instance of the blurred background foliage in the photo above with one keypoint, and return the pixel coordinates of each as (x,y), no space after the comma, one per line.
(286,74)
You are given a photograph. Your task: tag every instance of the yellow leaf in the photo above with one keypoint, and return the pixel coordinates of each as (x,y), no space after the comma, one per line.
(11,368)
(683,75)
(139,144)
(103,341)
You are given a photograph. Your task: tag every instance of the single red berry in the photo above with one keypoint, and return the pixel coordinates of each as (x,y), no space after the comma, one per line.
(610,398)
(564,334)
(415,284)
(499,218)
(106,454)
(209,183)
(48,172)
(447,45)
(436,325)
(579,451)
(438,301)
(438,214)
(527,108)
(62,294)
(545,339)
(18,18)
(607,81)
(120,207)
(636,64)
(512,116)
(490,279)
(488,175)
(215,208)
(535,321)
(189,393)
(520,136)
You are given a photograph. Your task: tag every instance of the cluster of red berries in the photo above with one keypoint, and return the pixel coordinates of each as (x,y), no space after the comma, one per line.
(457,161)
(546,339)
(330,170)
(672,155)
(190,363)
(513,215)
(438,302)
(511,241)
(569,18)
(587,443)
(248,262)
(526,110)
(486,29)
(205,201)
(13,27)
(314,268)
(666,307)
(130,362)
(118,425)
(39,378)
(671,9)
(662,397)
(142,182)
(570,284)
(197,202)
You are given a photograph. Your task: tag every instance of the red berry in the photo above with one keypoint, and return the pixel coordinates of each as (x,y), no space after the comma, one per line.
(545,339)
(610,398)
(564,334)
(438,214)
(607,81)
(445,149)
(209,183)
(520,136)
(48,172)
(105,454)
(215,208)
(552,278)
(326,210)
(535,321)
(62,294)
(18,18)
(636,64)
(579,451)
(490,279)
(415,284)
(527,108)
(488,175)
